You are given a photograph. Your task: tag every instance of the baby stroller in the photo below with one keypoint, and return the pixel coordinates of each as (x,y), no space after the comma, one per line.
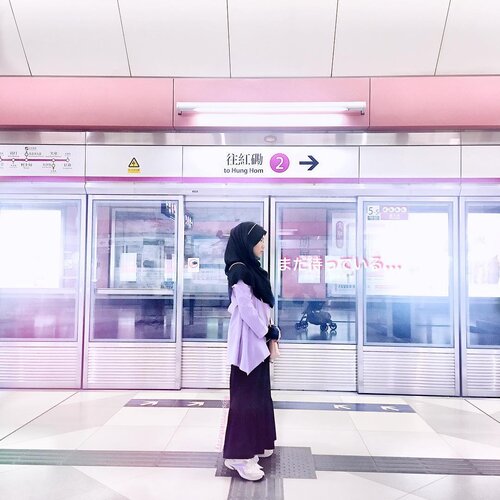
(314,315)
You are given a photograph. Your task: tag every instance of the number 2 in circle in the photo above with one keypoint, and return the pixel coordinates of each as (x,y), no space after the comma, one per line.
(279,162)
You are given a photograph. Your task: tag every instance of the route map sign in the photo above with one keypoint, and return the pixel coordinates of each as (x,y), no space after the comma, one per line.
(21,160)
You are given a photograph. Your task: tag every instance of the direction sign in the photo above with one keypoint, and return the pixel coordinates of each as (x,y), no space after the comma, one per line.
(261,164)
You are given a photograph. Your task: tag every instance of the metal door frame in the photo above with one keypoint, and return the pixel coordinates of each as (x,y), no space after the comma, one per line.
(453,284)
(79,291)
(177,312)
(464,310)
(308,349)
(217,350)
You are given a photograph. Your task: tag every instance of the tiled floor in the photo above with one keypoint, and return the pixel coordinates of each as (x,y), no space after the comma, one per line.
(92,423)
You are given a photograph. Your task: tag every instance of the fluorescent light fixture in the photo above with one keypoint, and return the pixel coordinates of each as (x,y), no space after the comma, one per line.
(271,107)
(287,232)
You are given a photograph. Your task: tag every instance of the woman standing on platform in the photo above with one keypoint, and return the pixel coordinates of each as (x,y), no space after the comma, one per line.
(251,430)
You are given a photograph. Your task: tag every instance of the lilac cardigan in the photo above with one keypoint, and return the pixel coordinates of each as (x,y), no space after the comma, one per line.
(246,342)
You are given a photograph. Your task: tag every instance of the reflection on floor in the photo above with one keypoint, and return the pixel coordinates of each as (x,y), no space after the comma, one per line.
(145,445)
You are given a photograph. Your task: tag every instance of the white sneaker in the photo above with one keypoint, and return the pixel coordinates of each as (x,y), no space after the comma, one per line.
(266,454)
(248,469)
(256,460)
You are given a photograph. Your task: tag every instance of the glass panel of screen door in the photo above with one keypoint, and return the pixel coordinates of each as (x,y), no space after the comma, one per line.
(408,273)
(205,315)
(134,271)
(483,274)
(39,269)
(316,272)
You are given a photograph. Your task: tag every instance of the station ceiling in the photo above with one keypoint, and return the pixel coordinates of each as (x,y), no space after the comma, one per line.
(249,38)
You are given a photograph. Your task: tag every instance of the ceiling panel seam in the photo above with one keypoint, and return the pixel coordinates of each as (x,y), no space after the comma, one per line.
(20,38)
(442,38)
(335,33)
(123,34)
(228,39)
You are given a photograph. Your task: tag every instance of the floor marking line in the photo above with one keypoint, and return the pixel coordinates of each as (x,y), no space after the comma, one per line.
(38,416)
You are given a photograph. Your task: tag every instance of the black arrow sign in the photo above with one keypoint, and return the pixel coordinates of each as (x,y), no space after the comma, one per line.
(313,162)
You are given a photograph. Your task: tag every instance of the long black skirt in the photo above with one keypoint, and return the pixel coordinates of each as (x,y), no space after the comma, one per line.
(250,424)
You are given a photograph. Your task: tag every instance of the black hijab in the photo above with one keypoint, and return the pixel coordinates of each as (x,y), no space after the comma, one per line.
(242,239)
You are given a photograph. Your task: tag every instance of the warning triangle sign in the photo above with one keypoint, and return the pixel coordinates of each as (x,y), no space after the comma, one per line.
(133,164)
(133,167)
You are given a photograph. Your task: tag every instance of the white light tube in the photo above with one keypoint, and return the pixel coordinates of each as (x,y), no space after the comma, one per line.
(270,107)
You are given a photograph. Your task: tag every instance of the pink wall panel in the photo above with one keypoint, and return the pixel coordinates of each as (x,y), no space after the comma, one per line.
(86,103)
(462,102)
(271,90)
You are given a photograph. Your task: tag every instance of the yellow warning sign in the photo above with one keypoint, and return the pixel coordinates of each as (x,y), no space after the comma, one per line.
(134,167)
